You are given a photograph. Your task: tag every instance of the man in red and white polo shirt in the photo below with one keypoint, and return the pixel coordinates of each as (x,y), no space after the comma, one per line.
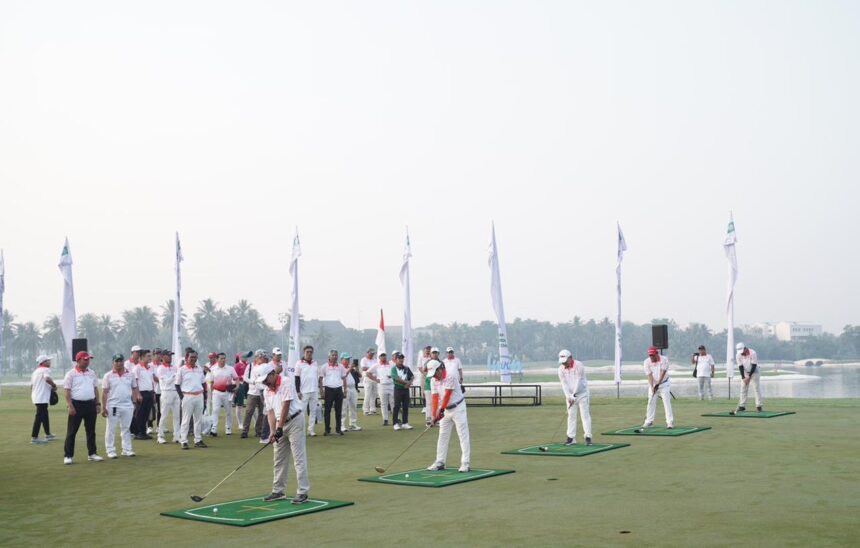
(119,390)
(189,382)
(82,397)
(170,401)
(657,370)
(224,382)
(450,414)
(144,374)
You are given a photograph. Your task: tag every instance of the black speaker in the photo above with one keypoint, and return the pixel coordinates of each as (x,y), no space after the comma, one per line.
(78,345)
(660,336)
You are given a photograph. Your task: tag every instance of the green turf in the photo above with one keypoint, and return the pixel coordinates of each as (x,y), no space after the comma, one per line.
(657,431)
(443,478)
(245,512)
(799,477)
(562,450)
(749,414)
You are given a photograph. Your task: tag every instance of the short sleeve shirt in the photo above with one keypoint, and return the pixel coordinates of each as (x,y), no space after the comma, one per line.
(285,390)
(190,379)
(145,377)
(166,377)
(222,377)
(383,373)
(82,384)
(449,382)
(657,368)
(41,390)
(119,388)
(704,365)
(309,375)
(333,375)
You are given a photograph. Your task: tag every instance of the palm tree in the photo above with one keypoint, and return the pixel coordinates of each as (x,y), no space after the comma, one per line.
(8,349)
(208,325)
(28,341)
(140,326)
(53,341)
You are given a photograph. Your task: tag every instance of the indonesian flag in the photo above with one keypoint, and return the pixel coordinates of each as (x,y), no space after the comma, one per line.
(380,335)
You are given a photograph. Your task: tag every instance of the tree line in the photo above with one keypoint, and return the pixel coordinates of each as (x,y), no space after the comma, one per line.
(241,327)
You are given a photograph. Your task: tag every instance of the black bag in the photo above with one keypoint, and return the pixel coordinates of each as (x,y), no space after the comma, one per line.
(54,399)
(696,367)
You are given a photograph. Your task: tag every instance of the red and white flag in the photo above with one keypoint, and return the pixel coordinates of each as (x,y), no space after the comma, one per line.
(380,335)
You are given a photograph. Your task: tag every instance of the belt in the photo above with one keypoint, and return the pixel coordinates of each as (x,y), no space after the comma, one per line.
(192,393)
(294,415)
(453,405)
(218,390)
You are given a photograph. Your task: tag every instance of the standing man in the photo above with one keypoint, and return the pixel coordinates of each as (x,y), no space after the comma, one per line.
(705,368)
(385,385)
(402,377)
(423,358)
(189,384)
(750,373)
(370,391)
(224,382)
(155,414)
(41,386)
(571,375)
(241,368)
(310,386)
(119,390)
(144,374)
(171,402)
(450,414)
(353,377)
(657,370)
(453,363)
(82,396)
(432,397)
(255,398)
(334,384)
(286,421)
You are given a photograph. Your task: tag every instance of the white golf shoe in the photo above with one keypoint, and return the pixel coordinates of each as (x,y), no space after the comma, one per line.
(94,458)
(67,460)
(111,455)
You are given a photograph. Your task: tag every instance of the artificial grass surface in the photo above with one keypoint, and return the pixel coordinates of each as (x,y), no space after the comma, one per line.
(798,478)
(443,478)
(253,511)
(657,431)
(562,450)
(749,414)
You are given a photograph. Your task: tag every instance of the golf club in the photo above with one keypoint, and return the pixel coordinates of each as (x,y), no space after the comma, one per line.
(198,498)
(545,448)
(382,470)
(655,392)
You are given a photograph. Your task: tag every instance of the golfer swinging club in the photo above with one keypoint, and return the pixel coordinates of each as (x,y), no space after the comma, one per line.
(571,374)
(450,413)
(657,369)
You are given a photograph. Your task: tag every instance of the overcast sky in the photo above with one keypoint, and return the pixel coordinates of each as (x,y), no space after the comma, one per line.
(232,123)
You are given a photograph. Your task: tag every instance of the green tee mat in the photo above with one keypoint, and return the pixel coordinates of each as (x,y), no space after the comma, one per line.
(657,431)
(442,478)
(562,450)
(245,512)
(750,414)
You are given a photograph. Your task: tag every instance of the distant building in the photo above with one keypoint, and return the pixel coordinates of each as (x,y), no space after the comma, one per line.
(784,331)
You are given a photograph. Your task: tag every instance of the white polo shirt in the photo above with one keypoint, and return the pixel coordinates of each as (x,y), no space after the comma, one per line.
(40,391)
(365,365)
(130,365)
(119,389)
(222,377)
(704,365)
(255,383)
(190,379)
(448,382)
(333,375)
(286,390)
(383,373)
(166,377)
(453,364)
(573,381)
(145,377)
(154,367)
(656,368)
(747,361)
(82,384)
(309,373)
(350,380)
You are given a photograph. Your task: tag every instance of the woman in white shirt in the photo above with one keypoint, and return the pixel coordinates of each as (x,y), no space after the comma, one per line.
(41,386)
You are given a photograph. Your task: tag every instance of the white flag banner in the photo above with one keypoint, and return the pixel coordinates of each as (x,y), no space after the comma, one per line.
(407,344)
(2,291)
(499,308)
(380,335)
(293,350)
(177,306)
(731,255)
(68,319)
(622,247)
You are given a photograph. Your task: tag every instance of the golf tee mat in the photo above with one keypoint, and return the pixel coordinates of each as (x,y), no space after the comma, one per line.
(245,512)
(657,431)
(750,414)
(442,478)
(562,450)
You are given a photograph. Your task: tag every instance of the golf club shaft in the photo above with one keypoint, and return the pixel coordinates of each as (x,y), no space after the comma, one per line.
(408,447)
(257,452)
(563,417)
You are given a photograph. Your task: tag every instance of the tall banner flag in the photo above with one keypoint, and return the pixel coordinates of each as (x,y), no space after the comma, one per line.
(68,320)
(2,291)
(293,350)
(177,305)
(407,344)
(499,308)
(622,247)
(380,335)
(731,255)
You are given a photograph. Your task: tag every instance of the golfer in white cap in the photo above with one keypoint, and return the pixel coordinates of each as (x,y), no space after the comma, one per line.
(367,363)
(133,358)
(750,373)
(571,374)
(287,423)
(451,414)
(453,363)
(41,387)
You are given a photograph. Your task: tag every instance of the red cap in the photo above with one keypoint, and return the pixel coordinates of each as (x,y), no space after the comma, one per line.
(652,351)
(83,355)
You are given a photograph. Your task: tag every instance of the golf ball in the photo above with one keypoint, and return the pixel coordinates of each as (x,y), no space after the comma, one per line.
(407,475)
(215,510)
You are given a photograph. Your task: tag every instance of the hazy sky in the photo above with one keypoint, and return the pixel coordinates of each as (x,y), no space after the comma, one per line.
(121,123)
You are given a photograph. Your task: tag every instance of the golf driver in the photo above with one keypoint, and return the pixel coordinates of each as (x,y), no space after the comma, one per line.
(545,448)
(198,498)
(382,470)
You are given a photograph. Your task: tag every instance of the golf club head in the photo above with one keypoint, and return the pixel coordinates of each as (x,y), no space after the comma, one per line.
(639,430)
(543,449)
(195,498)
(379,469)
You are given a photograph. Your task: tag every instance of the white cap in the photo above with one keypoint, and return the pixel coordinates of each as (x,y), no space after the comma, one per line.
(277,351)
(267,368)
(42,359)
(136,348)
(434,349)
(564,355)
(433,366)
(449,349)
(740,346)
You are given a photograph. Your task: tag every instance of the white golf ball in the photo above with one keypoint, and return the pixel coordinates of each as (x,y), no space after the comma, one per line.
(407,475)
(214,510)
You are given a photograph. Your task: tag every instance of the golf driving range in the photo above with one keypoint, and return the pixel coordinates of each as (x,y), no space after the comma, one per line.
(799,480)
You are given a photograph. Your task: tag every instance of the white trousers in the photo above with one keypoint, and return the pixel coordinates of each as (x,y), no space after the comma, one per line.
(582,406)
(192,408)
(350,412)
(219,400)
(705,387)
(386,400)
(370,391)
(454,418)
(169,405)
(292,447)
(664,391)
(122,418)
(755,381)
(312,401)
